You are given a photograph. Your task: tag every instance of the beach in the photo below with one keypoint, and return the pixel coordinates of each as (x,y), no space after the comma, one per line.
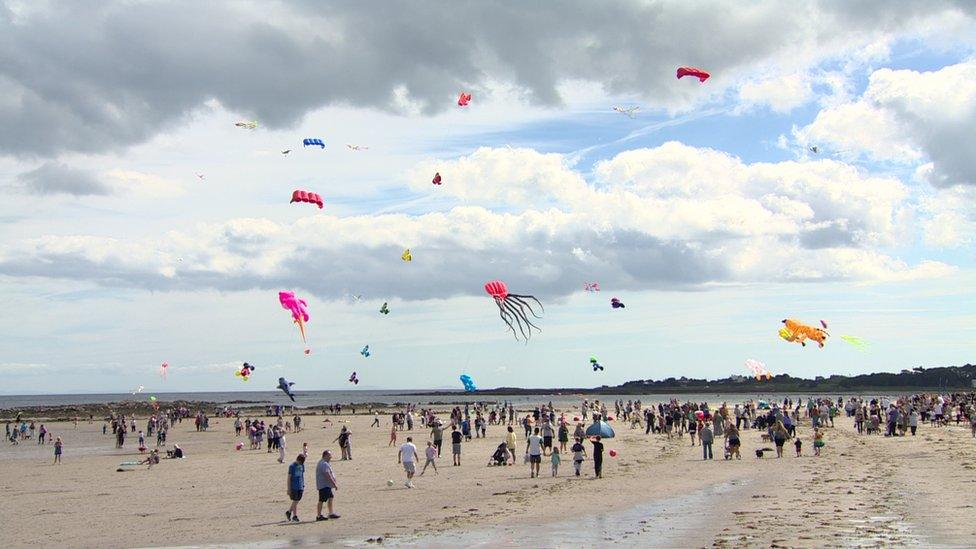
(863,490)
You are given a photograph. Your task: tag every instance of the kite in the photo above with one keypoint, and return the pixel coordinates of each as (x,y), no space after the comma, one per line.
(591,286)
(356,147)
(200,176)
(384,309)
(299,312)
(814,149)
(305,196)
(354,379)
(468,383)
(631,112)
(512,307)
(286,151)
(247,124)
(857,342)
(138,389)
(758,369)
(797,332)
(437,179)
(595,364)
(365,352)
(464,99)
(163,369)
(693,71)
(245,372)
(406,256)
(152,400)
(312,141)
(617,304)
(285,386)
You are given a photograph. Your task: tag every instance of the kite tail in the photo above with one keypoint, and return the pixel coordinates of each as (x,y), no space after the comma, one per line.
(301,328)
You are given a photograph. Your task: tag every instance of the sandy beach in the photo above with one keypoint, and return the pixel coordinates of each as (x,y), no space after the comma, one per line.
(864,490)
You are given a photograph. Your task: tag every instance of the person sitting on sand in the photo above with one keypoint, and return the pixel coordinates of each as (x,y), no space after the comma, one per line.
(151,459)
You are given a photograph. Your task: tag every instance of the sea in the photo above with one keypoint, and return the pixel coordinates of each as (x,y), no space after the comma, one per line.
(314,399)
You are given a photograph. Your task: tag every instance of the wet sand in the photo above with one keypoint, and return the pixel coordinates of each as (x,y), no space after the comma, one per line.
(864,491)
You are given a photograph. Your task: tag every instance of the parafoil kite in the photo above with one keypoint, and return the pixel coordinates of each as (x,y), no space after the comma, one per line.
(384,309)
(356,147)
(163,368)
(797,332)
(247,124)
(286,151)
(591,286)
(312,141)
(285,386)
(354,379)
(305,196)
(245,372)
(857,342)
(512,307)
(814,149)
(758,369)
(617,304)
(464,99)
(631,112)
(406,255)
(468,383)
(365,352)
(437,179)
(299,312)
(595,364)
(693,71)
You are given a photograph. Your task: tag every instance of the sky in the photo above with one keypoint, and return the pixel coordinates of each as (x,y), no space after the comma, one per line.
(825,171)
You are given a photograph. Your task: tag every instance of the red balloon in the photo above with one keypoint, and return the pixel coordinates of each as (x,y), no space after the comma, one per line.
(497,289)
(613,453)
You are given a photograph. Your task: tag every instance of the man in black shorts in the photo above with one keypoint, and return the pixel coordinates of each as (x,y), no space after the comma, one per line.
(325,482)
(296,486)
(456,445)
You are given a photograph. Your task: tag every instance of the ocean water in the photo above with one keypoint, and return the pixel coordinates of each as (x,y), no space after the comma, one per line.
(311,399)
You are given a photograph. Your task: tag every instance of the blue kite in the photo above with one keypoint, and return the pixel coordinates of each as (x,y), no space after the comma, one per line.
(469,385)
(312,141)
(365,352)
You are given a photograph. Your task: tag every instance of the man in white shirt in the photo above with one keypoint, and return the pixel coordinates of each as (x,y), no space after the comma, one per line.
(533,448)
(408,456)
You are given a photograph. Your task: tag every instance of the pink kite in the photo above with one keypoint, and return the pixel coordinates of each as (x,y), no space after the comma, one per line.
(162,369)
(299,312)
(693,71)
(437,179)
(464,99)
(512,307)
(304,196)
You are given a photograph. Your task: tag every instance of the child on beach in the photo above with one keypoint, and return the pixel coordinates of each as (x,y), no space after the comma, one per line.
(555,461)
(818,442)
(431,457)
(305,449)
(579,454)
(393,435)
(57,450)
(799,445)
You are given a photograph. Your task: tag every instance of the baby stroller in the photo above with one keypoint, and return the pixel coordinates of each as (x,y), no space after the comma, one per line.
(500,456)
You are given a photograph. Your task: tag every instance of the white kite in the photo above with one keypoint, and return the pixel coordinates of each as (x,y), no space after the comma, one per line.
(631,112)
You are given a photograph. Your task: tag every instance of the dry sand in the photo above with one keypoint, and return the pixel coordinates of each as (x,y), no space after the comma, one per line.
(864,491)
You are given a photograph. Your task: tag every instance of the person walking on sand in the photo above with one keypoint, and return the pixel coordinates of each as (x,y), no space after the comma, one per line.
(431,453)
(295,486)
(818,442)
(533,449)
(597,456)
(58,446)
(325,483)
(408,456)
(706,437)
(732,436)
(510,443)
(345,445)
(281,447)
(393,435)
(555,459)
(437,434)
(579,454)
(456,437)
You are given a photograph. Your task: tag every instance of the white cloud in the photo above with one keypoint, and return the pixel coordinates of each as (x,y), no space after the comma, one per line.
(907,117)
(671,216)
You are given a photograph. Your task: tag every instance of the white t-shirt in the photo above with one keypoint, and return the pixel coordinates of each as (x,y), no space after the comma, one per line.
(407,452)
(431,452)
(535,445)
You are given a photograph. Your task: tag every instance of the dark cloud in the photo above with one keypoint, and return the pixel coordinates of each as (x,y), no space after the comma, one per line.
(94,77)
(53,177)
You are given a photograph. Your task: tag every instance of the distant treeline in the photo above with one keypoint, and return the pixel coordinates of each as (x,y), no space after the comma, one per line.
(948,378)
